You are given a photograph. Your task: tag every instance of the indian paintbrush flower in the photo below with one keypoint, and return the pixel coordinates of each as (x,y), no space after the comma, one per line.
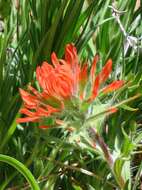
(65,87)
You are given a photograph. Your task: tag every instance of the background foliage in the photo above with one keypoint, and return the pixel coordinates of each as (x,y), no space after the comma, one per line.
(29,32)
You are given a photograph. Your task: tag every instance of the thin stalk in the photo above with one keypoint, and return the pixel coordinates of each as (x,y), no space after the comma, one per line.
(9,133)
(92,118)
(22,169)
(97,138)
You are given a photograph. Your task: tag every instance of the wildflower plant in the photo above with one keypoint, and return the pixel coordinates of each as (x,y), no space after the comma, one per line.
(68,91)
(66,133)
(69,96)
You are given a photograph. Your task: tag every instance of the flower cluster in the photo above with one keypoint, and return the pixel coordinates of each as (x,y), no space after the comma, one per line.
(64,84)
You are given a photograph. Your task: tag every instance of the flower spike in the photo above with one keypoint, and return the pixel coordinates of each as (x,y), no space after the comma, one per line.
(65,87)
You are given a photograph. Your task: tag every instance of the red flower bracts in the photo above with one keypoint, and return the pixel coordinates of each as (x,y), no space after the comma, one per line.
(64,87)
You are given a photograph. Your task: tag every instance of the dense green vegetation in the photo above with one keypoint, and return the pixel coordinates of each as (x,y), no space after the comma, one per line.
(30,30)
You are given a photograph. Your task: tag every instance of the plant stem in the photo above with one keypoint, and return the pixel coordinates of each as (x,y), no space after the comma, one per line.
(97,138)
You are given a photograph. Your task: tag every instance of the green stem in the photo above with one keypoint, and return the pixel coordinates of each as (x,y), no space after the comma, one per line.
(108,157)
(9,133)
(22,169)
(92,118)
(28,162)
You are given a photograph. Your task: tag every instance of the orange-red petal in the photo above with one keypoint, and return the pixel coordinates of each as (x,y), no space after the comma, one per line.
(112,110)
(44,127)
(70,53)
(30,100)
(83,73)
(95,89)
(93,68)
(113,86)
(27,112)
(34,91)
(54,59)
(83,77)
(106,70)
(27,119)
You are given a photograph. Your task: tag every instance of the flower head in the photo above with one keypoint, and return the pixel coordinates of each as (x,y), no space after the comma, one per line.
(64,87)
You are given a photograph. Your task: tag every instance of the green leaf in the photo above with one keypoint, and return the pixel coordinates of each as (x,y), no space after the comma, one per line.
(5,6)
(127,145)
(128,108)
(68,26)
(137,177)
(45,46)
(127,186)
(49,121)
(9,133)
(117,169)
(22,169)
(126,173)
(77,187)
(118,164)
